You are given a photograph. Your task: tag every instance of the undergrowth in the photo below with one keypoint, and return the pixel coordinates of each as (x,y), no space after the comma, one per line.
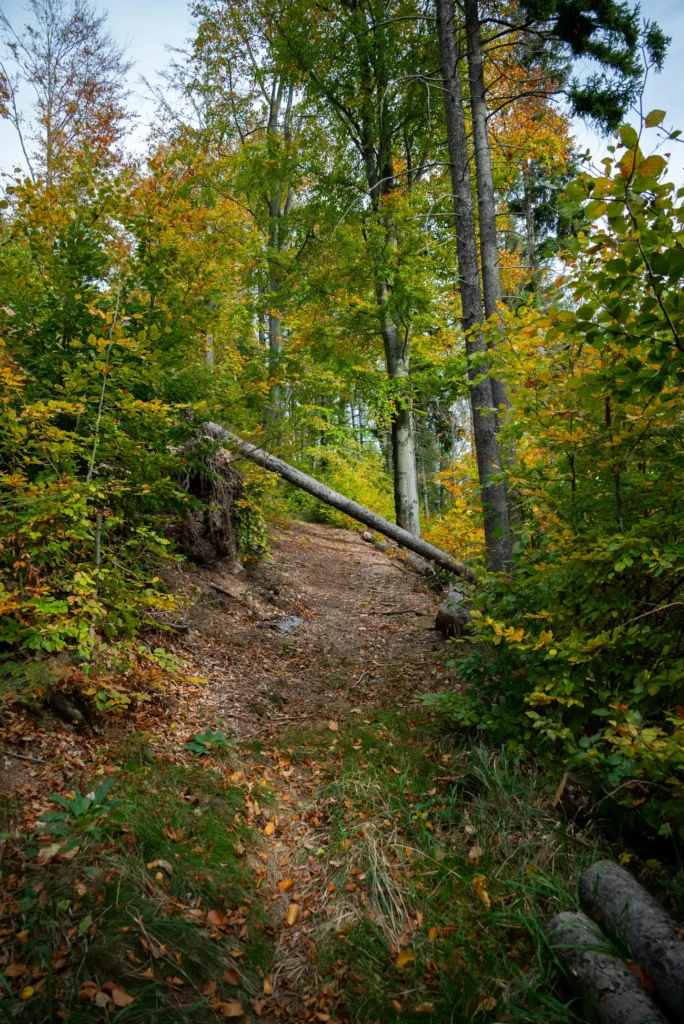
(154,922)
(447,861)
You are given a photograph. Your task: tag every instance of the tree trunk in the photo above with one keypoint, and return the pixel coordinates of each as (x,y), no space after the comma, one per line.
(324,493)
(496,523)
(628,913)
(601,980)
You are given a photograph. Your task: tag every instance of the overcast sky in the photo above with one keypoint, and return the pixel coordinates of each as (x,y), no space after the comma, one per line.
(150,27)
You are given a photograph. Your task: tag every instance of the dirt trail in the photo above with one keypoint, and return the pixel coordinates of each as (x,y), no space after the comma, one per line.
(348,657)
(367,634)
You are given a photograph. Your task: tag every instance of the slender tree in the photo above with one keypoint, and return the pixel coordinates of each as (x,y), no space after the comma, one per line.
(74,73)
(494,501)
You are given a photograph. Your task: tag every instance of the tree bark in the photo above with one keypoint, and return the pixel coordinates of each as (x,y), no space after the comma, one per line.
(494,501)
(596,975)
(337,500)
(629,914)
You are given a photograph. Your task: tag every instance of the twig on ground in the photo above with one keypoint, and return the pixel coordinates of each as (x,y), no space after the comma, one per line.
(25,757)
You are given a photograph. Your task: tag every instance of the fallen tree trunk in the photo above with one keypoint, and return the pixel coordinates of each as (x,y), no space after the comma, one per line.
(629,913)
(596,975)
(338,501)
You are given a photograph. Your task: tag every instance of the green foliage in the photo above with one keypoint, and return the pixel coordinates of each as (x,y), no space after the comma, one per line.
(207,742)
(579,656)
(82,819)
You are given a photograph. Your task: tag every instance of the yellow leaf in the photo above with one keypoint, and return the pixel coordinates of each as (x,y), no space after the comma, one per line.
(27,992)
(654,118)
(481,892)
(269,829)
(404,957)
(652,166)
(285,884)
(487,1003)
(292,915)
(268,987)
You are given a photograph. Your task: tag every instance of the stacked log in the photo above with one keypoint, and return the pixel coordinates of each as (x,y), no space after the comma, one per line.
(650,990)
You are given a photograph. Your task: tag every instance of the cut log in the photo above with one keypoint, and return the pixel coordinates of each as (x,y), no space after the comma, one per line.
(631,915)
(598,977)
(324,493)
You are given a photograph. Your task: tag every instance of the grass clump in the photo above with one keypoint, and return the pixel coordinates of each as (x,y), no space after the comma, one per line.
(155,921)
(446,863)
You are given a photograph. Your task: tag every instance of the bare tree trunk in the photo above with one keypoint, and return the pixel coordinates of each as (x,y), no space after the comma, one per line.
(406,502)
(496,523)
(486,198)
(324,493)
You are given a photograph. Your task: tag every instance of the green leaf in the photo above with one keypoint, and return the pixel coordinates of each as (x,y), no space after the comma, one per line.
(654,118)
(628,136)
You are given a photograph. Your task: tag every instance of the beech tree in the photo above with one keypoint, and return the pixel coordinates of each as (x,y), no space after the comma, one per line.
(62,83)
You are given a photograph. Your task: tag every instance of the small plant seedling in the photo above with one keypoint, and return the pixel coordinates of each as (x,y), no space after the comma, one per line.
(207,742)
(82,817)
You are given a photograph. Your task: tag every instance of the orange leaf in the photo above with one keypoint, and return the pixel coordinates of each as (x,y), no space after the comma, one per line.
(231,976)
(230,1009)
(285,884)
(121,997)
(148,975)
(269,829)
(209,988)
(216,918)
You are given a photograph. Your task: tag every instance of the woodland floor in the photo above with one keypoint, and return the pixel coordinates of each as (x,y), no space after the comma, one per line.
(345,858)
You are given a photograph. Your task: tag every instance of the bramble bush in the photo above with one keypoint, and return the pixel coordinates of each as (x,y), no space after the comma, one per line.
(578,656)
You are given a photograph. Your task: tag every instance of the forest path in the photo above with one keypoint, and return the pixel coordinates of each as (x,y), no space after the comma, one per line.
(367,633)
(366,642)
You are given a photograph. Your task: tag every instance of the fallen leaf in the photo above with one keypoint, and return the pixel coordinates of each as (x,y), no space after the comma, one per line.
(292,915)
(268,987)
(69,854)
(481,892)
(432,934)
(404,957)
(121,997)
(14,970)
(475,854)
(285,884)
(397,1005)
(269,829)
(87,990)
(332,724)
(425,1008)
(231,976)
(46,854)
(148,974)
(163,864)
(175,981)
(644,977)
(216,918)
(231,1009)
(102,999)
(209,988)
(27,992)
(487,1003)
